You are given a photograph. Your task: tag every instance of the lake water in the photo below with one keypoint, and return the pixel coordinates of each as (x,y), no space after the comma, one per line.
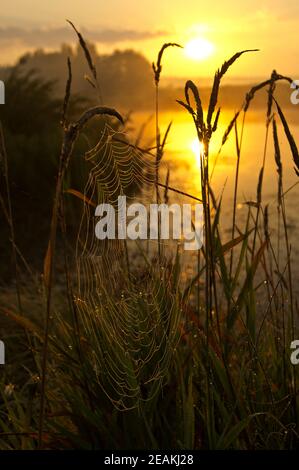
(182,158)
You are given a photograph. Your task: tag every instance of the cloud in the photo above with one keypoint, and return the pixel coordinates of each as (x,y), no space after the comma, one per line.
(53,37)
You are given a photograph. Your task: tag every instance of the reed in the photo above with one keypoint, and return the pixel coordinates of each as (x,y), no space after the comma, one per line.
(143,360)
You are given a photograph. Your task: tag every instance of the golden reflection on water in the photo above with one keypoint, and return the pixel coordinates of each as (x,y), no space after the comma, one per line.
(183,149)
(182,154)
(182,158)
(197,148)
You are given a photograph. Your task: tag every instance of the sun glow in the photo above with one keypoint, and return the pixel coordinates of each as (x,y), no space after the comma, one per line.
(197,149)
(199,49)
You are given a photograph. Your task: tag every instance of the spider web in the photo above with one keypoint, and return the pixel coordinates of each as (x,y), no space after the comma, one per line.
(130,319)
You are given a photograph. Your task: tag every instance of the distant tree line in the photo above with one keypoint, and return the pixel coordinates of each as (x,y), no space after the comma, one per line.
(125,77)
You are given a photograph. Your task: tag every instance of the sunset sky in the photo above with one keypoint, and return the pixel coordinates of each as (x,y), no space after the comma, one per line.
(227,26)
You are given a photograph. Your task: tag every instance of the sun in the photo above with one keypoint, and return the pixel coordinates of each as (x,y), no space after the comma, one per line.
(199,49)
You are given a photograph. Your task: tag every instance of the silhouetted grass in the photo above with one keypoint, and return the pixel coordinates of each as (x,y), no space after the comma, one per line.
(143,366)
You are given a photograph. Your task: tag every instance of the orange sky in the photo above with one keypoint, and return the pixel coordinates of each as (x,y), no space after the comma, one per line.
(145,24)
